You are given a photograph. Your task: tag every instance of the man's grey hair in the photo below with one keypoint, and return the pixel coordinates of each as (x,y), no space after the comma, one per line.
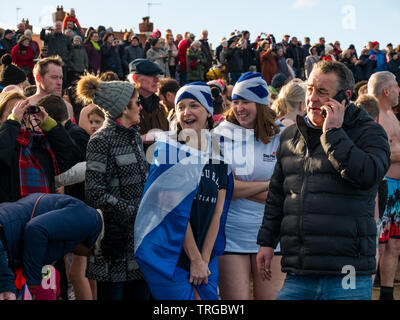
(379,81)
(344,74)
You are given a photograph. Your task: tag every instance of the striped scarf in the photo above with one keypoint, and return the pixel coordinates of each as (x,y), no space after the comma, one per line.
(32,177)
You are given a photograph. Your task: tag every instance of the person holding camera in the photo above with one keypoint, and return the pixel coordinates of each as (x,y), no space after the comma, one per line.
(232,56)
(110,57)
(33,149)
(320,205)
(57,44)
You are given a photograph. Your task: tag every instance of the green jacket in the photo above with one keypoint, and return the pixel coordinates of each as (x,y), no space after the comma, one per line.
(78,61)
(195,73)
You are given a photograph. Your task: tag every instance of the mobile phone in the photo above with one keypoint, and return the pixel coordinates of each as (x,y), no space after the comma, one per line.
(340,96)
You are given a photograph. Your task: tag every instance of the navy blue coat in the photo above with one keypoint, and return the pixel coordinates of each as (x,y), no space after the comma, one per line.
(59,224)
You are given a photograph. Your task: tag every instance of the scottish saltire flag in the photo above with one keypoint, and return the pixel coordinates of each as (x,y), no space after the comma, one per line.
(164,211)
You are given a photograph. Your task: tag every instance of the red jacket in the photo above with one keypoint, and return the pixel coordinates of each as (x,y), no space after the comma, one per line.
(23,60)
(182,50)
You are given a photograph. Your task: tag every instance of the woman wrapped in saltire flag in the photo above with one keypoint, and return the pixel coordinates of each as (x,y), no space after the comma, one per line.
(179,229)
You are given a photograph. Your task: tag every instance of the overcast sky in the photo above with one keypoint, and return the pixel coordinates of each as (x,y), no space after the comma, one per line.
(349,21)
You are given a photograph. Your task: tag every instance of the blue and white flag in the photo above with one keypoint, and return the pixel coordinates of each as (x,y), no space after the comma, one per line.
(165,208)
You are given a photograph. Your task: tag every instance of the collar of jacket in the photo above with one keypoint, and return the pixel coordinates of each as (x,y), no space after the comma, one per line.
(111,123)
(151,103)
(351,116)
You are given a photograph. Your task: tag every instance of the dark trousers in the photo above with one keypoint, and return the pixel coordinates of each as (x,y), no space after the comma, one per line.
(128,290)
(172,71)
(183,78)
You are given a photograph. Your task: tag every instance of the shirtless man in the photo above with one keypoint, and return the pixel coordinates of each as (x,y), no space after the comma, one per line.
(384,87)
(49,78)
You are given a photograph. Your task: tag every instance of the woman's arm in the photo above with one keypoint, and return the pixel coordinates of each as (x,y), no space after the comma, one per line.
(74,175)
(259,197)
(213,229)
(245,189)
(198,267)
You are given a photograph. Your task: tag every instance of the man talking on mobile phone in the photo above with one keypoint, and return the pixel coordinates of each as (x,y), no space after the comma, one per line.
(320,204)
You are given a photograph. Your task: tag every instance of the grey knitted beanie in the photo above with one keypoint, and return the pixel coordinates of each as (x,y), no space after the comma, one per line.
(113,97)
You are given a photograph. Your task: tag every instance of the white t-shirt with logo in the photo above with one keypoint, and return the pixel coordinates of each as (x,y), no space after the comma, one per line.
(251,160)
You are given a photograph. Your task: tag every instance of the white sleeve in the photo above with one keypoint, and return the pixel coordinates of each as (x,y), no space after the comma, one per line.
(74,175)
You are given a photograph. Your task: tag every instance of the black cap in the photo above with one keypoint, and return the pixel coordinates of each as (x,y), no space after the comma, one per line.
(145,67)
(9,73)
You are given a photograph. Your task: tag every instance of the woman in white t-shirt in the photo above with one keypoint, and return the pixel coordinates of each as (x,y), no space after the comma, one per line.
(249,139)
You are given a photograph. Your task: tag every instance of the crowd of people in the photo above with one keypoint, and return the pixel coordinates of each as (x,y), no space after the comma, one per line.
(90,127)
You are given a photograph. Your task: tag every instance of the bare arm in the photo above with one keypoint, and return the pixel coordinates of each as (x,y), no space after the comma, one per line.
(245,189)
(259,197)
(198,267)
(214,227)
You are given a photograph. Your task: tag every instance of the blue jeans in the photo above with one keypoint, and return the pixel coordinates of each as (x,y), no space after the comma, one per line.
(129,290)
(324,288)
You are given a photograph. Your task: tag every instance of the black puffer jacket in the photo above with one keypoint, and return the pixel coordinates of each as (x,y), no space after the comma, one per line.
(321,199)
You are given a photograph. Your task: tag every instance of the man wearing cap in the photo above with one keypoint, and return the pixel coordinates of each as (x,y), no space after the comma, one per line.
(381,63)
(183,46)
(152,116)
(132,52)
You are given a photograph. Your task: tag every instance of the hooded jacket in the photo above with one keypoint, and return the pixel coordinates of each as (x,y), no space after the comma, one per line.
(322,196)
(58,225)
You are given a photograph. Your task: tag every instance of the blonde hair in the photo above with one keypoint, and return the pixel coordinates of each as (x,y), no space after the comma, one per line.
(289,98)
(6,97)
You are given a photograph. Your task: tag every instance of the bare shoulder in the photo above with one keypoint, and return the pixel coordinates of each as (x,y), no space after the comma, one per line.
(389,122)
